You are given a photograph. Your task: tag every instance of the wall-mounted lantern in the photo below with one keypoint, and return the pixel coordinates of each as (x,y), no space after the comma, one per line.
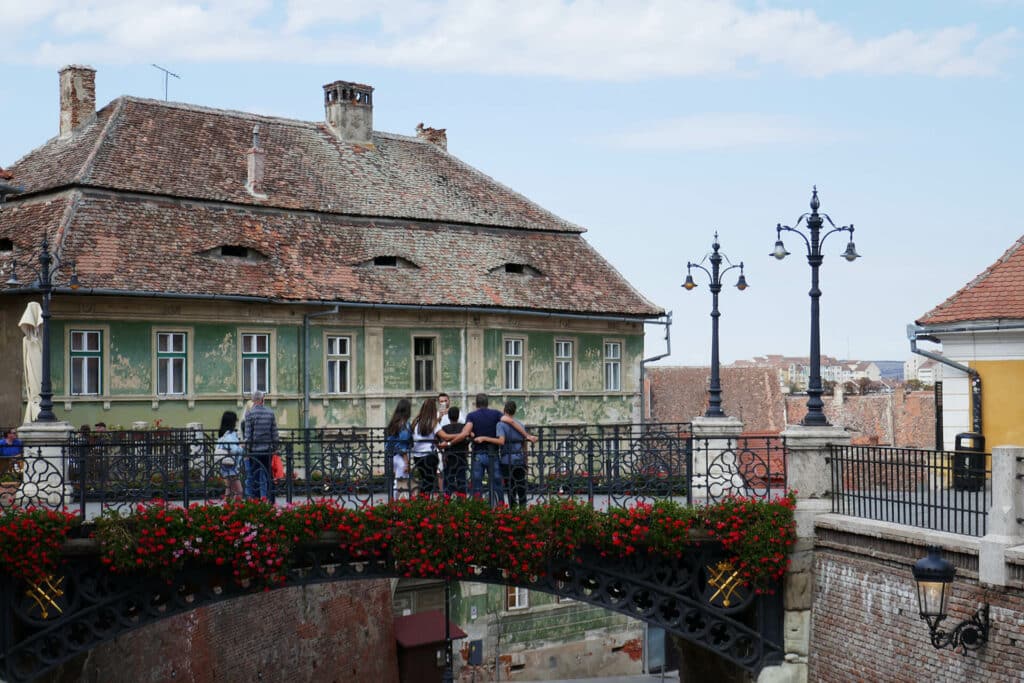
(934,577)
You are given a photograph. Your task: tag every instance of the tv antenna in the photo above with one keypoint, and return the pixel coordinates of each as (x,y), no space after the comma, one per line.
(166,74)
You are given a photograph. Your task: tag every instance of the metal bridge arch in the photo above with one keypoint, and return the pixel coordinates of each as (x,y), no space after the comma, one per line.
(86,606)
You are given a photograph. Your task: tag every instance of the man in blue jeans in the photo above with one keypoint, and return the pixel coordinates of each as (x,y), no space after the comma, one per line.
(484,422)
(261,437)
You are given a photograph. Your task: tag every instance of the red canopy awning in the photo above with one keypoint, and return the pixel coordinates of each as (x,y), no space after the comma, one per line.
(424,628)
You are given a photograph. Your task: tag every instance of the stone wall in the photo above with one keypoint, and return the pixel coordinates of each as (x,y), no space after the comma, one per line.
(335,632)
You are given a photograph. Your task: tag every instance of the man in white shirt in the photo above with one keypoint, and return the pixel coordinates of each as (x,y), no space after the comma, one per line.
(443,403)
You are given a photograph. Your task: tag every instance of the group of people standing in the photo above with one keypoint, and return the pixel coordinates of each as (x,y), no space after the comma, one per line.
(438,441)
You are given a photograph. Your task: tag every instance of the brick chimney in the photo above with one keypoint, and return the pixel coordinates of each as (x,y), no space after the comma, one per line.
(256,158)
(435,136)
(77,97)
(348,108)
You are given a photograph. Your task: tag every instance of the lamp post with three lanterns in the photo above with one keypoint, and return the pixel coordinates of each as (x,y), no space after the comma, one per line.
(715,274)
(814,240)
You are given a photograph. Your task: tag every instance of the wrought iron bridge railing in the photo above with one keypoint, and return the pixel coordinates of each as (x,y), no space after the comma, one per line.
(606,465)
(941,490)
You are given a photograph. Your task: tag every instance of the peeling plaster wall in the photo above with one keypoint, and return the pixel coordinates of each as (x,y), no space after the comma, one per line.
(469,358)
(551,639)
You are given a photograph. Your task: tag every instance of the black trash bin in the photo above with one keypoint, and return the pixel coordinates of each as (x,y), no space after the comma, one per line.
(969,462)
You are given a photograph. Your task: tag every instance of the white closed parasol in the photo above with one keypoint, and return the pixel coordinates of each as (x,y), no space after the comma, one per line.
(32,356)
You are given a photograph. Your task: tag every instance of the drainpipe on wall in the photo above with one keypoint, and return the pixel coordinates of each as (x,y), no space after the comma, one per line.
(305,361)
(667,322)
(914,333)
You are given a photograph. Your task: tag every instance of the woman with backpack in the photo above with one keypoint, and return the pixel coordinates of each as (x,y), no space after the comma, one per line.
(397,442)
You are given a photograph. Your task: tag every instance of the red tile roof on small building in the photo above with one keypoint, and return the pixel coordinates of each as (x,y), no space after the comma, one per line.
(144,195)
(424,628)
(995,294)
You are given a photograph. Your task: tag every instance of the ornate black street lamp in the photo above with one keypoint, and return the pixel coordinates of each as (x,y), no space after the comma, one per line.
(715,275)
(934,577)
(48,267)
(815,221)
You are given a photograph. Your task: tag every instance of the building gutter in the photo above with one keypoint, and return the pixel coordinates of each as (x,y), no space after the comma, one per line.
(653,318)
(643,363)
(305,360)
(916,332)
(6,189)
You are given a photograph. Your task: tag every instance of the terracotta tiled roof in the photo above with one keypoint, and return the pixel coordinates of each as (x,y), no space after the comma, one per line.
(5,175)
(187,151)
(144,196)
(678,394)
(998,293)
(162,245)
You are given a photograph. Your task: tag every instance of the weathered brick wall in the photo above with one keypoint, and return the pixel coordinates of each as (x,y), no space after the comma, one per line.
(336,632)
(678,394)
(905,419)
(915,419)
(865,626)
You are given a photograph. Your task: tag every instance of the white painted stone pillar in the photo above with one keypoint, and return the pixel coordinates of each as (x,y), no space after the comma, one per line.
(45,479)
(1003,529)
(714,456)
(807,473)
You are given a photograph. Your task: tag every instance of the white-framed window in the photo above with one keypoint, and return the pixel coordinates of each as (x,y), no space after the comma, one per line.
(171,363)
(86,361)
(339,363)
(514,364)
(424,351)
(255,362)
(613,366)
(563,365)
(516,597)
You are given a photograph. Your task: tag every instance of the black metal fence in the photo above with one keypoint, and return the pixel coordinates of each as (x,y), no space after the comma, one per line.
(605,465)
(941,490)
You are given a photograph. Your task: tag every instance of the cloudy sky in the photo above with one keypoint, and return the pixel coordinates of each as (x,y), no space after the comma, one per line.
(651,123)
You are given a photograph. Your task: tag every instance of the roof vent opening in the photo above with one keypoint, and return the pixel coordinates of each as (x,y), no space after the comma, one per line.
(388,261)
(6,244)
(517,269)
(234,250)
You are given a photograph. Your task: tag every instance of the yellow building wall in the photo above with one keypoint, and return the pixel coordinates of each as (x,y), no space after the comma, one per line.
(1002,401)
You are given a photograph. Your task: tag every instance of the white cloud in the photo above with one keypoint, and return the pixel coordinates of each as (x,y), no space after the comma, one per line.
(717,132)
(577,39)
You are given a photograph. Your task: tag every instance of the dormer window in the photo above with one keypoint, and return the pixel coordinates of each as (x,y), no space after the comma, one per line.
(6,244)
(517,269)
(385,261)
